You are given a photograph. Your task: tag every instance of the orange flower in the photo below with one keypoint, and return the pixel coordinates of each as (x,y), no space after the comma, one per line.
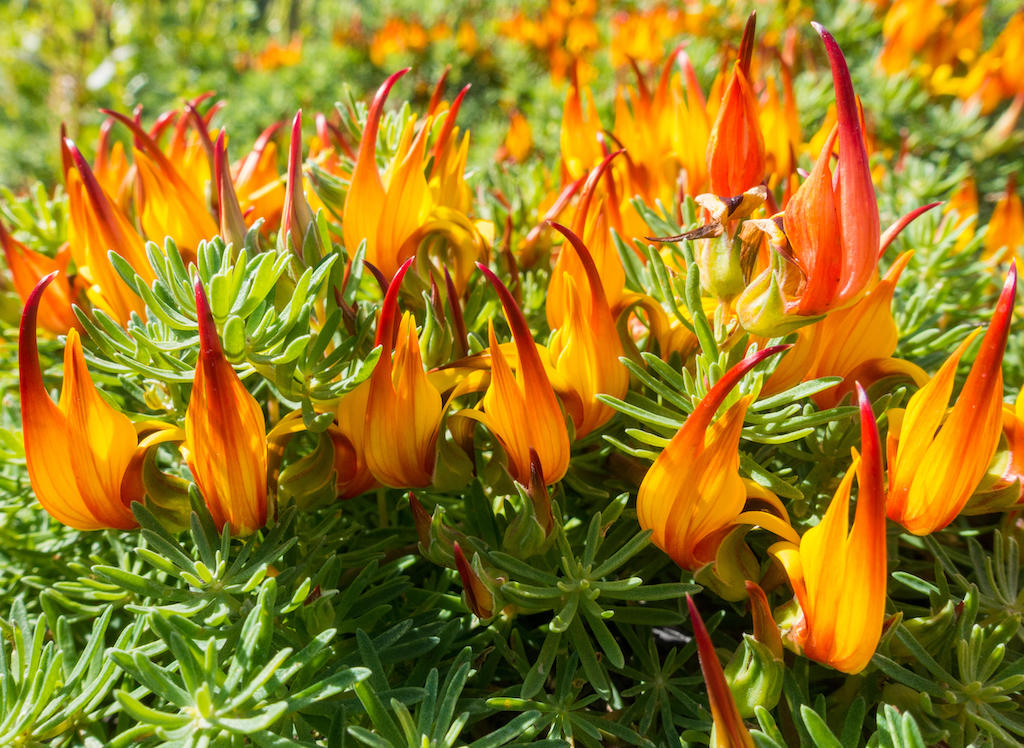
(693,495)
(594,225)
(1005,233)
(519,139)
(167,203)
(225,435)
(1013,430)
(403,417)
(829,251)
(27,268)
(521,409)
(387,212)
(353,475)
(855,343)
(97,226)
(230,218)
(258,184)
(79,452)
(963,203)
(735,154)
(297,218)
(586,349)
(838,576)
(112,167)
(937,461)
(729,730)
(834,230)
(581,132)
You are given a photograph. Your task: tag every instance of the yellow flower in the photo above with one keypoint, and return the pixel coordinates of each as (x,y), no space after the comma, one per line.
(838,574)
(693,494)
(403,415)
(167,203)
(387,212)
(258,183)
(855,343)
(521,409)
(937,461)
(225,435)
(79,452)
(586,349)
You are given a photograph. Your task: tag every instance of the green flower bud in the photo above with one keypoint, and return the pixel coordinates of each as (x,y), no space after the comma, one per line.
(754,676)
(721,272)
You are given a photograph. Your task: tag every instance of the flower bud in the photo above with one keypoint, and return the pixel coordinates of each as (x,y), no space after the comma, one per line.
(479,597)
(754,676)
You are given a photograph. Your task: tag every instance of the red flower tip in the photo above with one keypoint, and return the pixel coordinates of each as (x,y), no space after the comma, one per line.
(387,325)
(209,343)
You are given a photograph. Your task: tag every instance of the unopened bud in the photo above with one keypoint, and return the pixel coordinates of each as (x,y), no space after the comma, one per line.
(479,598)
(754,675)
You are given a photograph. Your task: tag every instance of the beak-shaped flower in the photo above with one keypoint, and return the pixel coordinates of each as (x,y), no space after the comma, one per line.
(96,227)
(258,184)
(729,730)
(521,409)
(593,224)
(112,167)
(230,218)
(225,435)
(963,204)
(838,576)
(167,204)
(1005,234)
(403,416)
(297,217)
(354,477)
(832,220)
(735,153)
(586,349)
(1013,430)
(386,212)
(78,451)
(693,494)
(27,268)
(855,343)
(519,139)
(827,248)
(934,464)
(581,130)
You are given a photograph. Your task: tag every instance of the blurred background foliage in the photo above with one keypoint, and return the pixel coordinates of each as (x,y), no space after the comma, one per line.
(63,60)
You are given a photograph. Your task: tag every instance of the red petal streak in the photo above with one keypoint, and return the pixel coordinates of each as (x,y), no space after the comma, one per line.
(387,325)
(723,705)
(711,402)
(893,231)
(858,207)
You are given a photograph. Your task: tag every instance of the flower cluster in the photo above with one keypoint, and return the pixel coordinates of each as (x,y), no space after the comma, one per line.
(419,335)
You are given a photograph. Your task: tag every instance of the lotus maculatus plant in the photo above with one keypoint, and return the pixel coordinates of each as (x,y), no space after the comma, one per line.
(432,418)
